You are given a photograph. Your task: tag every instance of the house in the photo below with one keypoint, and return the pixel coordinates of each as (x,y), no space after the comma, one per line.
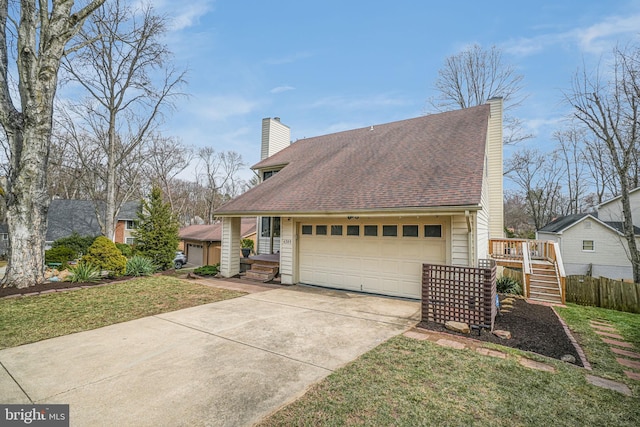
(202,243)
(364,209)
(593,243)
(67,216)
(4,239)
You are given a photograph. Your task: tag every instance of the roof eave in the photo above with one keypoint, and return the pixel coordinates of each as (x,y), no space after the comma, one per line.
(376,212)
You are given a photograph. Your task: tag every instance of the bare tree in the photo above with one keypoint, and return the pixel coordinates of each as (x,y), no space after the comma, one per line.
(218,174)
(39,36)
(123,51)
(475,75)
(570,143)
(610,110)
(517,220)
(167,158)
(538,177)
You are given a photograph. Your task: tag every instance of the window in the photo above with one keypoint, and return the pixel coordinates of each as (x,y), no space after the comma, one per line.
(390,230)
(276,226)
(433,230)
(321,230)
(370,230)
(409,231)
(307,229)
(4,236)
(336,230)
(268,174)
(587,245)
(130,240)
(353,230)
(131,225)
(265,228)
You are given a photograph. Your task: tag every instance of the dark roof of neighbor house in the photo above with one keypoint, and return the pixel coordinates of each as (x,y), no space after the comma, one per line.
(429,161)
(564,222)
(66,216)
(213,232)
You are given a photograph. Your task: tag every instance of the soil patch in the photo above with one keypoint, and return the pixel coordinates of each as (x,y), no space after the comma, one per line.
(533,327)
(48,286)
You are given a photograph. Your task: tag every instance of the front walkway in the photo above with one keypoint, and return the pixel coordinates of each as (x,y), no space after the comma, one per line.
(228,363)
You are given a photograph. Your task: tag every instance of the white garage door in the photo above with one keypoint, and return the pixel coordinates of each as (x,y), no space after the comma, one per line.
(378,258)
(194,254)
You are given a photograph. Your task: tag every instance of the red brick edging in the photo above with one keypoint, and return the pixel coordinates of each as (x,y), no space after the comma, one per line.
(583,358)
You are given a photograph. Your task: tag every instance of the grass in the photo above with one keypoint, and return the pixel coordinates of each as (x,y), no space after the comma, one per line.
(31,319)
(602,360)
(406,382)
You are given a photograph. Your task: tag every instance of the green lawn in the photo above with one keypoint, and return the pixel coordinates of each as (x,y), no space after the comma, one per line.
(405,382)
(30,319)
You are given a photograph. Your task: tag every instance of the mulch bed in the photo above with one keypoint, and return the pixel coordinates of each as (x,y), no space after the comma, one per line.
(533,327)
(48,286)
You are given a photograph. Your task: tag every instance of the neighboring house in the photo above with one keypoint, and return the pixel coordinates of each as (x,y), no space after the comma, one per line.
(364,209)
(4,240)
(201,243)
(66,216)
(593,244)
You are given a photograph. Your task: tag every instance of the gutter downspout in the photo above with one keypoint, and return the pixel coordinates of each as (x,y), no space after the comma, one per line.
(471,260)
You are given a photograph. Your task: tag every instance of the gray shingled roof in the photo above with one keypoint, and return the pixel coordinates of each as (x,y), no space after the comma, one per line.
(425,162)
(66,216)
(561,223)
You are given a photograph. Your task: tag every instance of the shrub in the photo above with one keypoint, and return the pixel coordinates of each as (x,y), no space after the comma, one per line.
(61,254)
(79,244)
(104,255)
(207,270)
(140,266)
(84,272)
(508,285)
(246,244)
(125,249)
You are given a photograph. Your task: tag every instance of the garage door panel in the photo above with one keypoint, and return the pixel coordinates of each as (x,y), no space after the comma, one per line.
(377,264)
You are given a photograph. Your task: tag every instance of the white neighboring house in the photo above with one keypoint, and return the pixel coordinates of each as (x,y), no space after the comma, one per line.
(594,243)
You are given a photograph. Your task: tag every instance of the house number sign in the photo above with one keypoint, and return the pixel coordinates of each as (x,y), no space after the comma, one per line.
(286,241)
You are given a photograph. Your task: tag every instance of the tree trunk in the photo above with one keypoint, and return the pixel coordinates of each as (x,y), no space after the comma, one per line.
(627,226)
(27,206)
(110,205)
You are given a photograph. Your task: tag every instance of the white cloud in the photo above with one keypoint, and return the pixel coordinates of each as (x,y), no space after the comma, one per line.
(370,102)
(593,39)
(182,14)
(219,108)
(280,89)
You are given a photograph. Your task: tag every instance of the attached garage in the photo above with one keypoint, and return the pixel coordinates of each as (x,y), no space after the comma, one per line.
(194,254)
(371,256)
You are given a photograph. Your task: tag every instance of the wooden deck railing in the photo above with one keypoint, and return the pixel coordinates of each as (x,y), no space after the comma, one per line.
(526,251)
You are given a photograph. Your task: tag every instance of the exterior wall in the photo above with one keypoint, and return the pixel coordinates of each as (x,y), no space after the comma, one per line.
(287,251)
(229,259)
(119,234)
(483,223)
(612,211)
(608,259)
(459,241)
(494,170)
(275,137)
(210,251)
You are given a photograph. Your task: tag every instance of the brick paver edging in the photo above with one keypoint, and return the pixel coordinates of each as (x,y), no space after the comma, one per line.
(583,358)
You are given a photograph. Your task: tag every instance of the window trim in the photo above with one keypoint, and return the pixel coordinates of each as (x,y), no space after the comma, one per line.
(389,227)
(404,226)
(424,230)
(130,221)
(593,245)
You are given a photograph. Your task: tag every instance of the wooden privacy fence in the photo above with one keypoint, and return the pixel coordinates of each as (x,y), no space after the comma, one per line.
(603,292)
(461,294)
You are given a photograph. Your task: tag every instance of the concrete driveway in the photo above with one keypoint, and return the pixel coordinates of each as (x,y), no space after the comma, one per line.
(228,363)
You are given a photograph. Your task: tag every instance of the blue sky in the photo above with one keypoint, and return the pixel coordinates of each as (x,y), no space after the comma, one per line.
(327,66)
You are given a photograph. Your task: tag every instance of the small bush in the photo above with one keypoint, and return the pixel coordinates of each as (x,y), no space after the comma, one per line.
(508,285)
(104,255)
(61,254)
(207,270)
(84,272)
(125,249)
(80,244)
(140,266)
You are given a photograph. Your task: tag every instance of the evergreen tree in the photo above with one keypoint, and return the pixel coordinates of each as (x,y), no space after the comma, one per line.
(157,231)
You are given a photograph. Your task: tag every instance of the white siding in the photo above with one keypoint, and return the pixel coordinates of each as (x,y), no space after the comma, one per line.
(229,256)
(287,250)
(275,137)
(459,241)
(494,165)
(608,259)
(613,211)
(483,225)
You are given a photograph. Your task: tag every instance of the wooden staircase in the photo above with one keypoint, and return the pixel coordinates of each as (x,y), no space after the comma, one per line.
(263,271)
(544,283)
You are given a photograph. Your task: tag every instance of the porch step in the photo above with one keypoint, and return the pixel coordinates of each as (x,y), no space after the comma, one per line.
(263,272)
